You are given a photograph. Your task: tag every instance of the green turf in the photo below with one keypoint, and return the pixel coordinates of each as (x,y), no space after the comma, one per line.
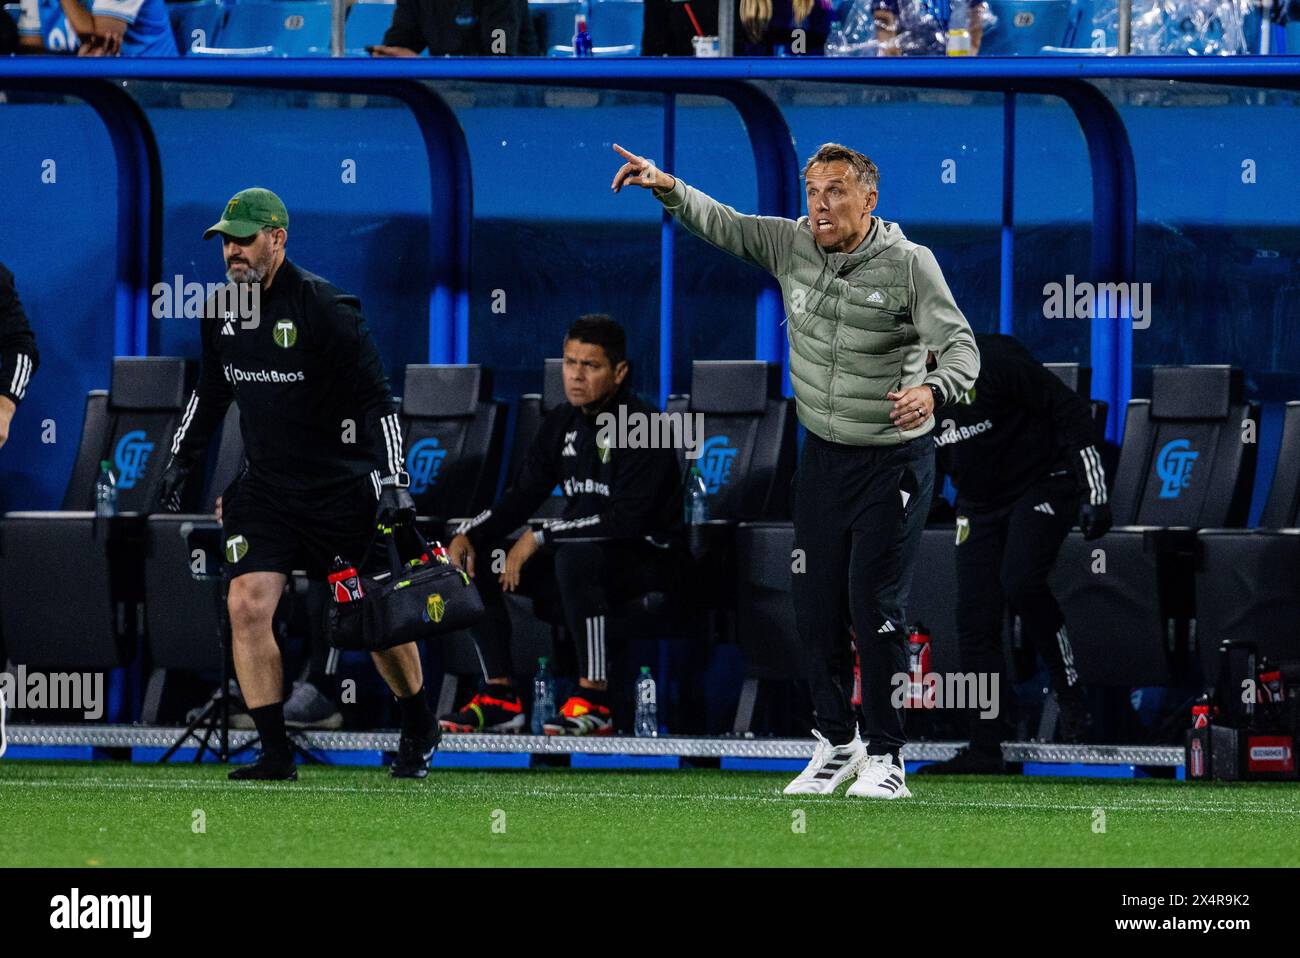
(125,815)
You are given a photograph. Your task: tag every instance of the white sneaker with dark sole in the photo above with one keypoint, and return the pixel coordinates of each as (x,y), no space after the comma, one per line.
(830,765)
(879,777)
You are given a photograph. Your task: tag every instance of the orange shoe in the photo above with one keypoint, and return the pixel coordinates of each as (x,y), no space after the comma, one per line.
(491,710)
(579,716)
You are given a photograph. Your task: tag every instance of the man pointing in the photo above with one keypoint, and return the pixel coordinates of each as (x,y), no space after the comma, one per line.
(862,306)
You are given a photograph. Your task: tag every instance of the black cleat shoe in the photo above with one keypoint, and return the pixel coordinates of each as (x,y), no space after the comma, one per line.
(413,754)
(267,770)
(967,762)
(1073,724)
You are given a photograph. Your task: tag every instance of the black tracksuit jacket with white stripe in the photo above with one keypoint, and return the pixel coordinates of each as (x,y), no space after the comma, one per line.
(1018,425)
(315,407)
(18,355)
(624,493)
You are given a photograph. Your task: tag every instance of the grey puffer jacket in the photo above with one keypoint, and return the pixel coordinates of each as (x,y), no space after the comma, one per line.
(859,324)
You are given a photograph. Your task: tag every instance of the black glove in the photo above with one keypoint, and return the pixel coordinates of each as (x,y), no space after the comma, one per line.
(167,494)
(396,507)
(1095,521)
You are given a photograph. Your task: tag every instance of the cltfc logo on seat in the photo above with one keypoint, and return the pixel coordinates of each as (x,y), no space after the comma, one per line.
(423,462)
(131,458)
(1174,467)
(716,458)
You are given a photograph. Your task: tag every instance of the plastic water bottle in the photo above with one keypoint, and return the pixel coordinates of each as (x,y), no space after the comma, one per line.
(697,498)
(647,706)
(959,29)
(105,492)
(581,38)
(543,697)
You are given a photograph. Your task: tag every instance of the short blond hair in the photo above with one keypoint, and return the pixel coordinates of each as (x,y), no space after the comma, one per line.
(867,173)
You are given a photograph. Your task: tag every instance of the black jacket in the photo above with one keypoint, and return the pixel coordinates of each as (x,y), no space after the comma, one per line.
(1019,424)
(18,356)
(456,27)
(626,493)
(315,407)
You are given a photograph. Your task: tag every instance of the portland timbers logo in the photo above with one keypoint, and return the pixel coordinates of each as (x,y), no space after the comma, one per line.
(435,607)
(236,548)
(963,529)
(285,333)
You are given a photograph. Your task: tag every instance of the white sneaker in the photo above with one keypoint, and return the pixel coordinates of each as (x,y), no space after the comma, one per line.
(830,765)
(879,777)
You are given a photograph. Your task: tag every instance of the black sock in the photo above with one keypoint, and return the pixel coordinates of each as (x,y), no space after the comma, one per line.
(269,720)
(505,691)
(415,714)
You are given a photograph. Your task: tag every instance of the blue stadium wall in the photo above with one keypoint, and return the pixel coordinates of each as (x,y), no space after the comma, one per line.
(1221,254)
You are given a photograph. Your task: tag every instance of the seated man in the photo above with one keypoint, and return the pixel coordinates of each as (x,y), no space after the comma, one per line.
(96,28)
(627,499)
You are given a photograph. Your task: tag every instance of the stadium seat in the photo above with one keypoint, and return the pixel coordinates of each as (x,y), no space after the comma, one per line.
(530,636)
(292,28)
(74,585)
(1183,466)
(532,408)
(1024,27)
(556,20)
(182,614)
(454,435)
(616,23)
(196,23)
(366,25)
(1248,580)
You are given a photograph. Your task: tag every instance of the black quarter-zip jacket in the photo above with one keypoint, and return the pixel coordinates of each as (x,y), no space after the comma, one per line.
(617,492)
(1017,425)
(315,406)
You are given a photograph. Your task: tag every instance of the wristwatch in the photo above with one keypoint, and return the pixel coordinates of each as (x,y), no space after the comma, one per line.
(398,480)
(938,394)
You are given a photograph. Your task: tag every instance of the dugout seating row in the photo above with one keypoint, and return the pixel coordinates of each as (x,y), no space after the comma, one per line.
(92,591)
(1180,571)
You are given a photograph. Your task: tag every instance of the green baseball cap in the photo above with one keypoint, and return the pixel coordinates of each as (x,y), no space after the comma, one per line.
(248,211)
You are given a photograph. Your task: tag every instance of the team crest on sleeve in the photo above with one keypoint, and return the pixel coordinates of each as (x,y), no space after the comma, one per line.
(963,529)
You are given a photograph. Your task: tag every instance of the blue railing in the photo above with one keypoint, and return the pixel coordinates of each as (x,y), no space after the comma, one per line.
(1114,186)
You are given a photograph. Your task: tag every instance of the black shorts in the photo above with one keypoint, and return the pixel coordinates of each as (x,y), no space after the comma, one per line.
(268,531)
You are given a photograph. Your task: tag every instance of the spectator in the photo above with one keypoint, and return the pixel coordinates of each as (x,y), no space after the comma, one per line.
(97,28)
(763,27)
(454,28)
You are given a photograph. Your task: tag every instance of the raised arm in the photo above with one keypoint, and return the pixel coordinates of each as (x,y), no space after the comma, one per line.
(761,240)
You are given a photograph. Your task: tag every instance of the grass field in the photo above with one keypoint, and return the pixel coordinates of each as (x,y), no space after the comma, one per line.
(105,814)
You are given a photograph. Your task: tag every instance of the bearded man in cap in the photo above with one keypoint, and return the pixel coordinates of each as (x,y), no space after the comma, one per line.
(323,462)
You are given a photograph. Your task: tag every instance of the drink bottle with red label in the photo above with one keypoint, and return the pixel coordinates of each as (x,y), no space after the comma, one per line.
(918,665)
(1196,762)
(345,584)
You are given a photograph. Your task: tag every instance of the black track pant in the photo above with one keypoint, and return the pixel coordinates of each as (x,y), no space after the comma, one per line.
(1004,557)
(586,580)
(856,536)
